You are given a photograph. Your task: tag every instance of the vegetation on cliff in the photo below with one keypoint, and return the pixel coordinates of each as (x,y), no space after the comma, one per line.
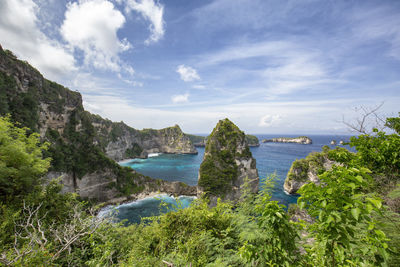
(350,226)
(314,162)
(300,140)
(252,140)
(219,169)
(78,141)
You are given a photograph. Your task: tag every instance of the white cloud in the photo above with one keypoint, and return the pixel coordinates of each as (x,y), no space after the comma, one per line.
(187,73)
(128,81)
(20,33)
(180,98)
(152,11)
(287,66)
(381,24)
(199,86)
(92,26)
(301,117)
(269,120)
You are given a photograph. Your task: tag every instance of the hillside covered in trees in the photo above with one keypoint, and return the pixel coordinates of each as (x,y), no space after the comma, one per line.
(346,220)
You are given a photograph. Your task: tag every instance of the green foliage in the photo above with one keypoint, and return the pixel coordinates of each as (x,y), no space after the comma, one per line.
(21,163)
(134,151)
(276,246)
(196,138)
(381,154)
(344,229)
(300,167)
(252,140)
(394,123)
(218,169)
(22,106)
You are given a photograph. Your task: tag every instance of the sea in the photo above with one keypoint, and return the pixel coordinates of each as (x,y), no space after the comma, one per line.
(272,159)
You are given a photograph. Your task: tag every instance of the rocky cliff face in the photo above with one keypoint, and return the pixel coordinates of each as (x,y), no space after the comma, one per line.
(82,143)
(299,140)
(122,142)
(306,170)
(227,164)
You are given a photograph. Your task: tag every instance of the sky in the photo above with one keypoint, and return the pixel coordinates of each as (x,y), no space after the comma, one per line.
(272,67)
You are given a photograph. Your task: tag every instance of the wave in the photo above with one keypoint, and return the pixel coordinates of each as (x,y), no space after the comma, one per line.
(112,211)
(125,161)
(150,155)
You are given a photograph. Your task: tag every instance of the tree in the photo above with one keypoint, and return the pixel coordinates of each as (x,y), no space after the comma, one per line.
(21,163)
(368,118)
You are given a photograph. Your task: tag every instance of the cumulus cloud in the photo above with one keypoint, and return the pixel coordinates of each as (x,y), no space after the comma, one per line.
(151,11)
(180,98)
(19,32)
(269,120)
(92,27)
(187,73)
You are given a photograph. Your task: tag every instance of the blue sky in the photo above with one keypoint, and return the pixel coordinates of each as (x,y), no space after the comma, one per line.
(294,67)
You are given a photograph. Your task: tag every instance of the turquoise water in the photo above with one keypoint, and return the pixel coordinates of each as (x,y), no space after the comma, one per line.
(271,158)
(133,212)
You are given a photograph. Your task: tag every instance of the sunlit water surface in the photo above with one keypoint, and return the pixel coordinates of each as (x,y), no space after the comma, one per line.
(271,158)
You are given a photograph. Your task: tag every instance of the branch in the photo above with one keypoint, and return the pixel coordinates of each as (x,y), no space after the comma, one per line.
(365,114)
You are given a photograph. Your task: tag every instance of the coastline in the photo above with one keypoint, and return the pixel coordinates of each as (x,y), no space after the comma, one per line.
(135,198)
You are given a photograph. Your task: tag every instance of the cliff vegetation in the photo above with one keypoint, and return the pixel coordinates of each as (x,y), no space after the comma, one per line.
(227,163)
(350,223)
(83,146)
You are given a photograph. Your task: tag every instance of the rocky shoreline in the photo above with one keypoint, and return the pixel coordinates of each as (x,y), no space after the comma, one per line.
(299,140)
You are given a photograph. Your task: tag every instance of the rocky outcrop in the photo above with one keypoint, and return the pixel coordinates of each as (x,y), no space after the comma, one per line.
(123,142)
(200,141)
(306,170)
(81,144)
(99,186)
(228,166)
(299,140)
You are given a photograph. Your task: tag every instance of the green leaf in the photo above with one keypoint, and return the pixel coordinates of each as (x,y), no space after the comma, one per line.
(376,202)
(301,204)
(352,185)
(359,178)
(380,233)
(356,213)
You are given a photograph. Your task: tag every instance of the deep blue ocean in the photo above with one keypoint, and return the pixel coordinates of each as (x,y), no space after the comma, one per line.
(271,158)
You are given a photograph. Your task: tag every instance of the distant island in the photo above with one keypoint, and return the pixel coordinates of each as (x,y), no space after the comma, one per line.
(200,141)
(299,140)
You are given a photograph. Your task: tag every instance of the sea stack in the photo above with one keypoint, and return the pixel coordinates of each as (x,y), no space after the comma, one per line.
(226,165)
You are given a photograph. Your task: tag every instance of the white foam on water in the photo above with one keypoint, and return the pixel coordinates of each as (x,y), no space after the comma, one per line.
(110,210)
(150,155)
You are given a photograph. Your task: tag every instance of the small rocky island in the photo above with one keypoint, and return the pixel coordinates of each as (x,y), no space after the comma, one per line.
(299,140)
(226,165)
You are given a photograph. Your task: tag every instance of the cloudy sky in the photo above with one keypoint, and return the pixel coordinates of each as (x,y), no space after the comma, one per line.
(270,66)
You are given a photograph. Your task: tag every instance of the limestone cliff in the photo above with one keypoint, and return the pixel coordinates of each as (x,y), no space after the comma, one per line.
(226,165)
(122,142)
(306,170)
(299,140)
(81,143)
